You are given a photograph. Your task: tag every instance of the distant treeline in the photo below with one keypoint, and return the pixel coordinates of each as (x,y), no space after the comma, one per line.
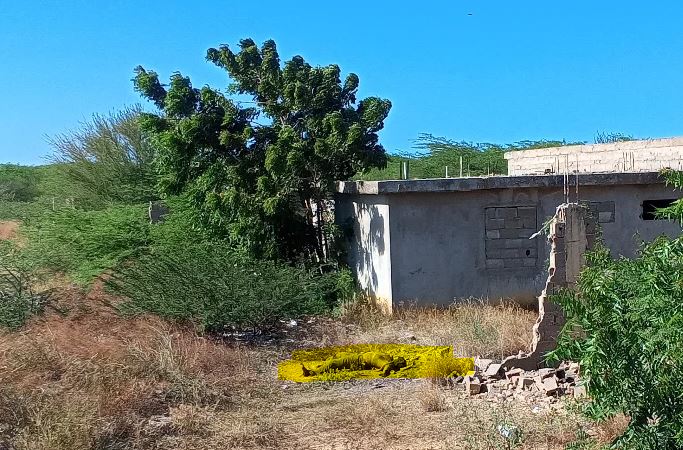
(431,156)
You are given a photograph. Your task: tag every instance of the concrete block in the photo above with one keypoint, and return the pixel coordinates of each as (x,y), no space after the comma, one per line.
(510,233)
(530,262)
(546,372)
(472,385)
(494,371)
(493,244)
(495,263)
(512,253)
(493,234)
(513,263)
(514,223)
(526,232)
(524,383)
(515,243)
(496,253)
(508,213)
(530,252)
(550,386)
(513,373)
(495,224)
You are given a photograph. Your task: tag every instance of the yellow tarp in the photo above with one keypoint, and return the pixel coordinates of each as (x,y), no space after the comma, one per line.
(418,358)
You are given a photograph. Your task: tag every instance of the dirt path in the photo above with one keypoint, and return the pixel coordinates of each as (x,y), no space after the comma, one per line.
(8,230)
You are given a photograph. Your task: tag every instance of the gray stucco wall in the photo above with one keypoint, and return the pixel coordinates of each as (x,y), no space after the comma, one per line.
(437,247)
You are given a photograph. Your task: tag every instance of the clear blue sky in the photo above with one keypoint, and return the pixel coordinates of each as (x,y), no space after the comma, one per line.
(510,71)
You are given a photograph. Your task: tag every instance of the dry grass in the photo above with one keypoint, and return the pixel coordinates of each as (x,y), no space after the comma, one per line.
(93,380)
(610,429)
(433,399)
(441,371)
(472,327)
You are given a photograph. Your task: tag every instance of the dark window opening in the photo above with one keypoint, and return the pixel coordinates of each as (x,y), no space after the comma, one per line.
(650,207)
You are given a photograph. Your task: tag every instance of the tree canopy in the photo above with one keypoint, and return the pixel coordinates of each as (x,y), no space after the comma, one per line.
(262,171)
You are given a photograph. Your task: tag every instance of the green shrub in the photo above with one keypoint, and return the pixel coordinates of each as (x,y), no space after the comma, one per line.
(83,244)
(107,160)
(18,183)
(217,288)
(10,210)
(625,327)
(18,301)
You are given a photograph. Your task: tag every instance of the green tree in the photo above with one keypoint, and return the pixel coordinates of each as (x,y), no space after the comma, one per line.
(107,160)
(263,175)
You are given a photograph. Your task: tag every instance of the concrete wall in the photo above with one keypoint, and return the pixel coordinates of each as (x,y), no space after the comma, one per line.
(366,219)
(437,247)
(631,156)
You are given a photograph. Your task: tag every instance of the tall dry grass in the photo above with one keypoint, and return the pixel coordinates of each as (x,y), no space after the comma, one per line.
(473,327)
(101,383)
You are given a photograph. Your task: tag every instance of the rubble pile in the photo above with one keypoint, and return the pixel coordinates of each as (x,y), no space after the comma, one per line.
(495,382)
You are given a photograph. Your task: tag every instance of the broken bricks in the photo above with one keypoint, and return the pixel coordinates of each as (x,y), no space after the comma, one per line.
(472,385)
(547,384)
(523,385)
(494,370)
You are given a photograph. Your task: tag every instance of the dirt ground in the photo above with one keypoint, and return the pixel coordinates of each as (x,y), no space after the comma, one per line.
(8,230)
(82,377)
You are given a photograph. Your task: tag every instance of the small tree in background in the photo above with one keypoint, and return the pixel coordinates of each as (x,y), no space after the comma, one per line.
(603,137)
(263,174)
(107,160)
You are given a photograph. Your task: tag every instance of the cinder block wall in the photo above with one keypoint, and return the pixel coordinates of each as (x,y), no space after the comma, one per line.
(632,156)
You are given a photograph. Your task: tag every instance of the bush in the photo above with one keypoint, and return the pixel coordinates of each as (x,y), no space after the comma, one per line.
(18,301)
(625,327)
(107,160)
(209,284)
(18,183)
(83,244)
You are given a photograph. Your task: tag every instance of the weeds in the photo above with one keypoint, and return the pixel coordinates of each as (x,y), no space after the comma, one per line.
(472,327)
(433,400)
(439,370)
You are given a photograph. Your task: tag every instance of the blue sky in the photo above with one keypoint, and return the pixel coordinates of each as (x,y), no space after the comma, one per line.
(509,71)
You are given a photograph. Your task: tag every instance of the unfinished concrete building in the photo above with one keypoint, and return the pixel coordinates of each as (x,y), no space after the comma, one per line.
(440,240)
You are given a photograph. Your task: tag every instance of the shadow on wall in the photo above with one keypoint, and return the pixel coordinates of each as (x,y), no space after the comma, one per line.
(369,248)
